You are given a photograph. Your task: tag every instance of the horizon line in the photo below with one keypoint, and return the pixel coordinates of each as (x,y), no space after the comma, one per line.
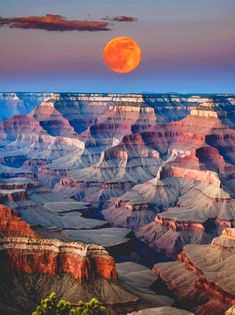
(122,93)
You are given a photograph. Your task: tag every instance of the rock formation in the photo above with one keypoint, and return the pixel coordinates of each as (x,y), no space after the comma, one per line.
(198,208)
(35,266)
(12,225)
(203,276)
(83,261)
(22,250)
(95,167)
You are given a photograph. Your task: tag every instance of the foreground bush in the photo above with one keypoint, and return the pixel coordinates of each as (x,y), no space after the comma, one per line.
(231,311)
(55,306)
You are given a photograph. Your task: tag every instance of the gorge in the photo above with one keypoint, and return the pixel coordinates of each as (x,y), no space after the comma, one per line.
(125,192)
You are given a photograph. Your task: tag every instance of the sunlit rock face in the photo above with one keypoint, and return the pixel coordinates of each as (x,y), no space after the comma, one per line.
(200,208)
(84,262)
(205,273)
(22,250)
(11,225)
(36,265)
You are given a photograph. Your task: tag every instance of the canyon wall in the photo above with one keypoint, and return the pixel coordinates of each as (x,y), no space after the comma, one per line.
(205,273)
(22,250)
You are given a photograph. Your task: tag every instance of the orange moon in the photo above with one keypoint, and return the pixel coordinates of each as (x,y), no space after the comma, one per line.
(122,54)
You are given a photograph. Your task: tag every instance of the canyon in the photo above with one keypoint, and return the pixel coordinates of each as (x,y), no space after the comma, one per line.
(124,186)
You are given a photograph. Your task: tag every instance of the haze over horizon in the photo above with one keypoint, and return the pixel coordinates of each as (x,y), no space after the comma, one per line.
(187,46)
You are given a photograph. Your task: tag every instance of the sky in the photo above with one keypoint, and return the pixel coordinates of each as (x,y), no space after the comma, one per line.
(188,46)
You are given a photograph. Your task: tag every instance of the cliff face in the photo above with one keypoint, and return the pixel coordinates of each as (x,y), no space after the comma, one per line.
(22,250)
(83,262)
(214,274)
(12,225)
(198,206)
(205,272)
(20,125)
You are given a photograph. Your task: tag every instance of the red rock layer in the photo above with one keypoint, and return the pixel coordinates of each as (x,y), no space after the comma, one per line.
(83,262)
(189,174)
(202,282)
(22,250)
(221,246)
(11,224)
(203,276)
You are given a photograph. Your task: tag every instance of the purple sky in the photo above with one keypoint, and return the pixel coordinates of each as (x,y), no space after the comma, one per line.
(187,46)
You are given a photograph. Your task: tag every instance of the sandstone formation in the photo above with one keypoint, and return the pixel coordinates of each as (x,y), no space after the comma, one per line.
(7,195)
(30,264)
(202,277)
(83,261)
(12,225)
(22,250)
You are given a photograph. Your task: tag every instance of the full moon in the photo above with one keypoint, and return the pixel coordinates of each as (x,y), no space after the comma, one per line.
(122,54)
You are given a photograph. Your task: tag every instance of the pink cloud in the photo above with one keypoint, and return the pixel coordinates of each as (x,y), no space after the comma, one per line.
(52,22)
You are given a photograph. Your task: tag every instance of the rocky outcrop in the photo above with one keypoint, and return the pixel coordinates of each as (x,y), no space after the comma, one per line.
(51,120)
(10,173)
(199,210)
(205,273)
(13,186)
(204,176)
(83,261)
(214,274)
(12,225)
(22,250)
(211,158)
(13,192)
(14,195)
(21,125)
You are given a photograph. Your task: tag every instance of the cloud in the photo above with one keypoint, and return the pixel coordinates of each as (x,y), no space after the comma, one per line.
(122,18)
(52,22)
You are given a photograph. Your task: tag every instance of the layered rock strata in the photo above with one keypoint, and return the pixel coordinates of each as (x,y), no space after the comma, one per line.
(203,277)
(22,250)
(83,261)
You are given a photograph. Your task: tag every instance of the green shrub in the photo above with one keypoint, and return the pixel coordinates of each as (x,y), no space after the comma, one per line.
(93,307)
(52,305)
